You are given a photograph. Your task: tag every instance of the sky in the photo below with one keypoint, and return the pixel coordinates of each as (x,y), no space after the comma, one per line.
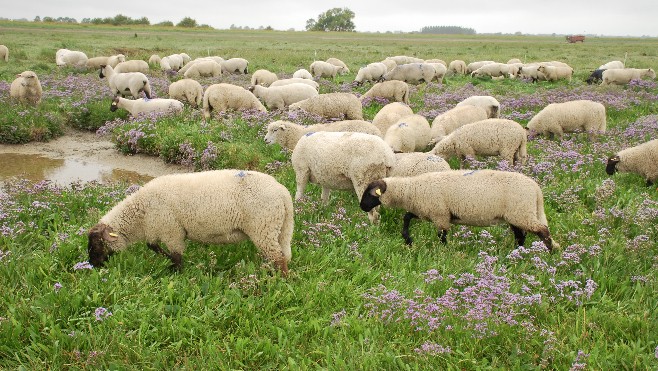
(602,17)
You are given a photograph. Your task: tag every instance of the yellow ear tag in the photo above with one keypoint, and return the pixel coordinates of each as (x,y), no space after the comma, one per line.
(378,192)
(113,234)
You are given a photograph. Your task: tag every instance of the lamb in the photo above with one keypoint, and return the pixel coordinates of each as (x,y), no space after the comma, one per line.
(296,80)
(338,160)
(236,65)
(371,72)
(390,114)
(4,53)
(622,76)
(455,118)
(641,159)
(339,63)
(280,97)
(124,83)
(212,207)
(495,70)
(478,198)
(287,133)
(611,64)
(457,67)
(222,97)
(413,73)
(488,137)
(475,65)
(394,90)
(409,134)
(302,74)
(486,102)
(595,77)
(155,59)
(263,77)
(324,69)
(416,163)
(26,88)
(141,106)
(558,118)
(332,105)
(204,69)
(556,73)
(134,65)
(74,58)
(530,71)
(187,90)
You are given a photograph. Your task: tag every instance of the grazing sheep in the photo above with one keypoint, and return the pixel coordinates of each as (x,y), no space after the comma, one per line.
(339,160)
(172,62)
(641,159)
(114,60)
(389,63)
(490,137)
(478,198)
(514,61)
(413,73)
(457,67)
(495,70)
(263,77)
(222,97)
(96,62)
(440,61)
(455,118)
(26,88)
(416,163)
(337,62)
(130,83)
(296,80)
(390,114)
(324,69)
(530,71)
(280,97)
(73,58)
(287,133)
(236,65)
(134,65)
(611,64)
(142,106)
(189,65)
(4,53)
(332,105)
(568,117)
(186,58)
(403,59)
(475,65)
(622,76)
(409,134)
(556,73)
(440,73)
(486,102)
(302,74)
(371,72)
(213,207)
(187,90)
(155,59)
(203,69)
(394,90)
(596,77)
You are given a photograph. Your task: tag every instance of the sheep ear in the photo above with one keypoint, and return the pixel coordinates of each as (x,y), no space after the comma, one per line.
(377,188)
(109,235)
(614,159)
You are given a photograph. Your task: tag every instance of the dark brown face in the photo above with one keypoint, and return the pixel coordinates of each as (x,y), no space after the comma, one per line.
(370,198)
(115,104)
(99,251)
(611,167)
(101,75)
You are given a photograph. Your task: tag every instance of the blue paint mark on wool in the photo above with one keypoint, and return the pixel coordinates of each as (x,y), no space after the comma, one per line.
(241,174)
(470,173)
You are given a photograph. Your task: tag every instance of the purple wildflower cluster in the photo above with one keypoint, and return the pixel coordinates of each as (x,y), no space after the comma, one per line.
(432,349)
(102,313)
(579,362)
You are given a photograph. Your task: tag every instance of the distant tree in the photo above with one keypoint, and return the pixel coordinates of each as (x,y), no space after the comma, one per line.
(120,19)
(37,19)
(335,19)
(165,24)
(269,28)
(187,22)
(85,20)
(48,19)
(143,21)
(447,30)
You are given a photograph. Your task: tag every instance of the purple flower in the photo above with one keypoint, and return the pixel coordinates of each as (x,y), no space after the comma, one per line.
(57,286)
(432,349)
(83,265)
(337,318)
(101,313)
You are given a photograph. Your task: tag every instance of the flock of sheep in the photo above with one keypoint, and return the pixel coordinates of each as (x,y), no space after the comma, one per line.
(397,160)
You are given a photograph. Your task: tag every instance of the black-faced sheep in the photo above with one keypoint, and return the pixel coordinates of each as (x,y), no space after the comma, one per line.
(641,159)
(623,76)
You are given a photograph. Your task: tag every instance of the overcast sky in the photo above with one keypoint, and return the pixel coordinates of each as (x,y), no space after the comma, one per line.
(602,17)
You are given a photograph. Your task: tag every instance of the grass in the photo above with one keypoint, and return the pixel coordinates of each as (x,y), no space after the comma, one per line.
(357,297)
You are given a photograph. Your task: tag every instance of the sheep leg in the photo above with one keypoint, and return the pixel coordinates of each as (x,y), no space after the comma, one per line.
(649,183)
(176,261)
(545,236)
(443,236)
(156,247)
(271,250)
(519,235)
(325,195)
(302,179)
(405,227)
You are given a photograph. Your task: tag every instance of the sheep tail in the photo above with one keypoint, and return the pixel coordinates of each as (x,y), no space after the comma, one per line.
(285,237)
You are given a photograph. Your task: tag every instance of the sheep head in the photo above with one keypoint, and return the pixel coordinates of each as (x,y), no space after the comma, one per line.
(101,75)
(370,198)
(611,167)
(115,104)
(99,251)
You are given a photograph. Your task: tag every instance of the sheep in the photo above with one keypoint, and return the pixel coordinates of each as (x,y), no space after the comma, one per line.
(263,77)
(302,73)
(475,65)
(279,97)
(556,73)
(204,69)
(403,59)
(440,73)
(172,62)
(189,65)
(457,67)
(389,63)
(641,159)
(134,65)
(96,62)
(558,118)
(478,198)
(4,53)
(155,59)
(187,90)
(413,73)
(486,102)
(339,160)
(611,64)
(371,72)
(213,207)
(394,90)
(332,105)
(142,106)
(622,76)
(26,88)
(489,137)
(409,134)
(530,71)
(125,83)
(324,69)
(495,70)
(222,97)
(235,66)
(416,163)
(114,60)
(74,58)
(514,61)
(440,61)
(453,119)
(339,63)
(287,133)
(186,58)
(295,80)
(595,77)
(390,114)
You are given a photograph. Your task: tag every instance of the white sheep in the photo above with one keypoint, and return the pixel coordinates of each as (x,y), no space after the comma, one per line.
(389,63)
(404,59)
(390,114)
(213,207)
(611,64)
(339,160)
(440,61)
(155,59)
(455,118)
(416,163)
(622,76)
(114,60)
(324,69)
(494,70)
(296,80)
(130,83)
(475,65)
(457,67)
(26,88)
(263,77)
(641,159)
(235,66)
(337,62)
(371,72)
(133,65)
(143,106)
(514,61)
(287,134)
(440,69)
(478,198)
(186,58)
(302,73)
(530,71)
(412,73)
(74,58)
(187,66)
(486,102)
(567,117)
(4,53)
(394,91)
(223,97)
(280,97)
(96,62)
(553,73)
(409,134)
(332,105)
(173,62)
(203,69)
(490,137)
(187,90)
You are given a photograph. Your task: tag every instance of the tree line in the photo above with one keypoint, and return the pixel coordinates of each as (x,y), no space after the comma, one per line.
(447,30)
(122,20)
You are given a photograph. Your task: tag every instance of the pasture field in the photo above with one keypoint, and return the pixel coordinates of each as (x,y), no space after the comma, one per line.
(357,296)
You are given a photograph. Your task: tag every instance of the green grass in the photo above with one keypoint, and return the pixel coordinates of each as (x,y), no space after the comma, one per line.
(357,297)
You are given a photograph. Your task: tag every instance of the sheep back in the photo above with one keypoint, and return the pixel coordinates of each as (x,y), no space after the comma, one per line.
(409,134)
(332,105)
(558,118)
(416,163)
(486,102)
(222,97)
(390,114)
(641,159)
(454,118)
(394,90)
(187,90)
